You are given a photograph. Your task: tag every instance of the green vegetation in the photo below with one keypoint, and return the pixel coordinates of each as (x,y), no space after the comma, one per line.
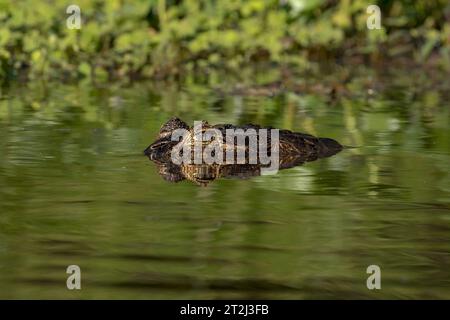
(75,187)
(169,37)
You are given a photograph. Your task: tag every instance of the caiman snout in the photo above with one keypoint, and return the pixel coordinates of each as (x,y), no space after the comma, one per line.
(329,147)
(160,149)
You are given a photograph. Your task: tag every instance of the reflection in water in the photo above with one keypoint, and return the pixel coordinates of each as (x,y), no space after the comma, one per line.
(75,189)
(203,174)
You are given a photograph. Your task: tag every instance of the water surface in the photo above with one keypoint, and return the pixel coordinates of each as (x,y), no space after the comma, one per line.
(75,188)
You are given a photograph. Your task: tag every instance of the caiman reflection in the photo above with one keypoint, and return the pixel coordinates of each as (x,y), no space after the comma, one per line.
(294,149)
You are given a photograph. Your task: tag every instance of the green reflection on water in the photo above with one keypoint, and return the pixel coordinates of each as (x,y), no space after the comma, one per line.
(76,189)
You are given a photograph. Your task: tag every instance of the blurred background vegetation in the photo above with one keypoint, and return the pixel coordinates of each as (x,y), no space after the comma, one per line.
(161,38)
(75,187)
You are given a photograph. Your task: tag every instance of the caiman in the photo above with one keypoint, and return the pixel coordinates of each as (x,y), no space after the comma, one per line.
(294,149)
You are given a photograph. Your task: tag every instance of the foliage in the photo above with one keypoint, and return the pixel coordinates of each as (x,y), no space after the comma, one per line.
(164,37)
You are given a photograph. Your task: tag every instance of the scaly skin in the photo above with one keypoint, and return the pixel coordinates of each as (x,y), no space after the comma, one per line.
(294,149)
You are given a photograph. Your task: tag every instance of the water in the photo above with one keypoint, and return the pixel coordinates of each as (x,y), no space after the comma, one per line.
(75,188)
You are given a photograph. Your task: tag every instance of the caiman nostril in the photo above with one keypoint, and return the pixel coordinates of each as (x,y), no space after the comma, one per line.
(154,146)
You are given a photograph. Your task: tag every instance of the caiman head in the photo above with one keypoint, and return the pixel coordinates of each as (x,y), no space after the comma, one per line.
(160,150)
(294,149)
